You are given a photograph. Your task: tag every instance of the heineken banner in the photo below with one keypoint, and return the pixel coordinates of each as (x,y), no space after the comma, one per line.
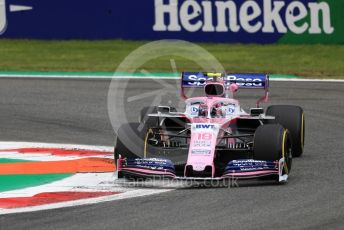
(234,21)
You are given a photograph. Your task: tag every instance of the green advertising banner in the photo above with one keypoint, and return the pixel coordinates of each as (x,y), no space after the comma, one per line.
(336,22)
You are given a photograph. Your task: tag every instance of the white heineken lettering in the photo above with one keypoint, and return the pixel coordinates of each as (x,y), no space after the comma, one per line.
(272,14)
(160,11)
(208,21)
(3,21)
(190,10)
(222,8)
(325,10)
(10,8)
(267,16)
(292,19)
(246,18)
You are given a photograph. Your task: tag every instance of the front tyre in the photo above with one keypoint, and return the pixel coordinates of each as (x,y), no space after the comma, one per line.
(292,118)
(129,140)
(271,143)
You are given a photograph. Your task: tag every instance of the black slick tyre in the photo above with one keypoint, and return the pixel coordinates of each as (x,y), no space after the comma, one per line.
(148,121)
(271,143)
(292,118)
(129,140)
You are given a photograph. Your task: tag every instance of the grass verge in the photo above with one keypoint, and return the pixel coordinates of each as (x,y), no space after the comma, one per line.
(104,56)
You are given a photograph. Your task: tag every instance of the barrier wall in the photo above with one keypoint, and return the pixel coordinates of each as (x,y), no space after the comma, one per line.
(239,21)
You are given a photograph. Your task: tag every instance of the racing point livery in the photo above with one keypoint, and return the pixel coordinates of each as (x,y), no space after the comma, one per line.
(214,138)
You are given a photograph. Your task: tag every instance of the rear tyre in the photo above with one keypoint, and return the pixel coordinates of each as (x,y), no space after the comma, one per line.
(272,142)
(149,121)
(292,118)
(152,121)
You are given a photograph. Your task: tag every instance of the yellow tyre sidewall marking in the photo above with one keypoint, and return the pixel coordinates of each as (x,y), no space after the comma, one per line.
(283,151)
(150,131)
(302,131)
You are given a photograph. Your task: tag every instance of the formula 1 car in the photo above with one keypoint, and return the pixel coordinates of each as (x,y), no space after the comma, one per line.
(214,138)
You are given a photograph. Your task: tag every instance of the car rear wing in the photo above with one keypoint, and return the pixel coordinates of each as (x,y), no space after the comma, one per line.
(248,81)
(243,81)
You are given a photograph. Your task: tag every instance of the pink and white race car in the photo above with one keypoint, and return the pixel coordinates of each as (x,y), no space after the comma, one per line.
(214,138)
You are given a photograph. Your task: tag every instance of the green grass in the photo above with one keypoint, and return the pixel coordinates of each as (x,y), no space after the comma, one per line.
(104,56)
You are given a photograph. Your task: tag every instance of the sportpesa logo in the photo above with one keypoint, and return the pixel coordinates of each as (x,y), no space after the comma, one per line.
(251,16)
(251,82)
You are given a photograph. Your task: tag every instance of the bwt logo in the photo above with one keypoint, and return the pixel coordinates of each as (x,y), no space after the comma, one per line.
(193,16)
(12,8)
(203,126)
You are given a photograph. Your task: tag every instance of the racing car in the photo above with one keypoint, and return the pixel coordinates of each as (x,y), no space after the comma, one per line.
(214,138)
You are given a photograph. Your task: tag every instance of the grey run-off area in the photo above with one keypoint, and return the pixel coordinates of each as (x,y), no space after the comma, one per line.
(75,111)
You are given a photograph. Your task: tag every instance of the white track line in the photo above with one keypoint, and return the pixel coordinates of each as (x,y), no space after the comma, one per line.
(82,182)
(86,77)
(307,80)
(45,156)
(151,77)
(48,156)
(14,145)
(125,195)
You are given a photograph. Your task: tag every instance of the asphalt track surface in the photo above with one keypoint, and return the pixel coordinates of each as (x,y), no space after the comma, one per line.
(75,111)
